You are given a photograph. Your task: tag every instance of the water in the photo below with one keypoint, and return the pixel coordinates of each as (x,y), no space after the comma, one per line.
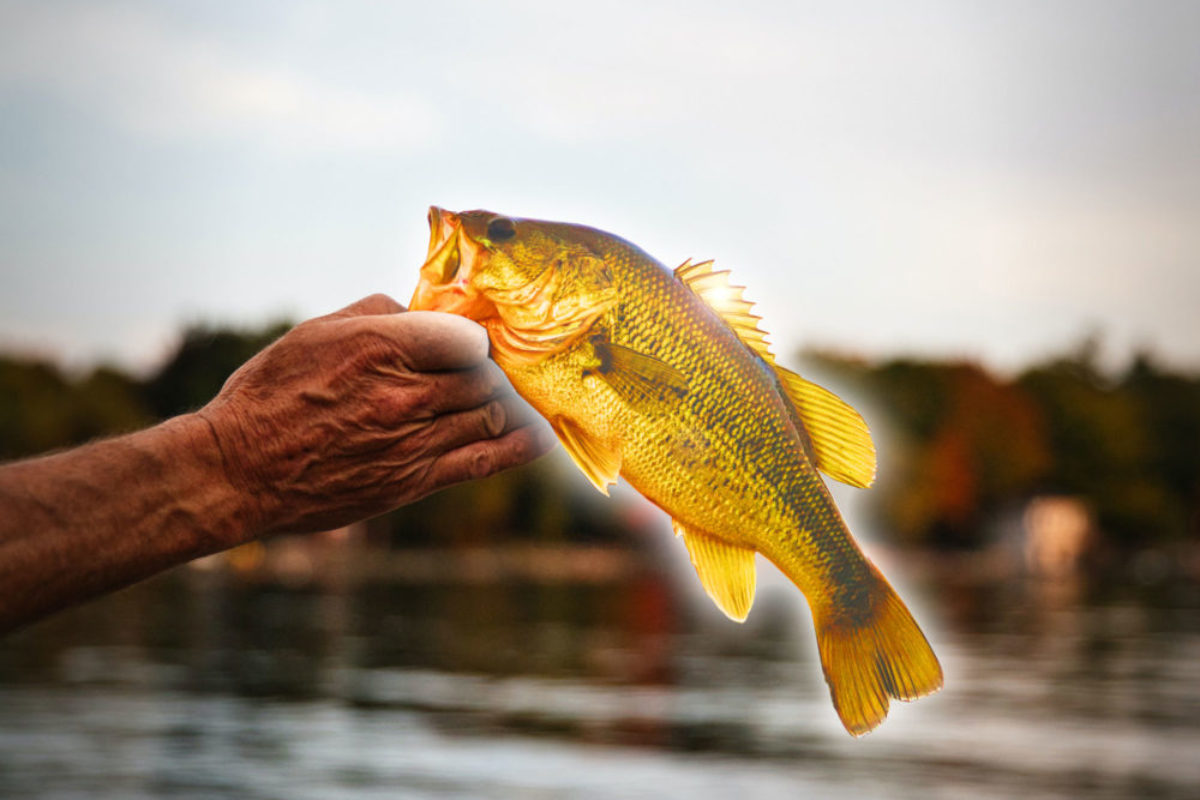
(621,683)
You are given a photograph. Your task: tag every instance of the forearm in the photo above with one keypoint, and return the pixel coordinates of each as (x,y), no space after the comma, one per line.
(94,519)
(345,417)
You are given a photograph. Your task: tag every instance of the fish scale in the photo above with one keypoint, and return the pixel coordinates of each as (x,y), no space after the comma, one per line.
(642,374)
(781,484)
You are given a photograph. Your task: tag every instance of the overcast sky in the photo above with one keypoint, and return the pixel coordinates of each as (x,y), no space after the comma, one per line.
(975,180)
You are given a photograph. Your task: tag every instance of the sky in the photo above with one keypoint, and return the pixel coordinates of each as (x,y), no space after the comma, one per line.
(991,181)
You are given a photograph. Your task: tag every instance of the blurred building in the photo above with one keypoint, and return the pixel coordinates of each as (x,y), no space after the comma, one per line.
(1058,531)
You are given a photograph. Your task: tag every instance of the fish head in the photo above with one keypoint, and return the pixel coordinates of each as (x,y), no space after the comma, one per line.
(536,285)
(477,255)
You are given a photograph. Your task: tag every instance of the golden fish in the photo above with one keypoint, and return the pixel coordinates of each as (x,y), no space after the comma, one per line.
(664,378)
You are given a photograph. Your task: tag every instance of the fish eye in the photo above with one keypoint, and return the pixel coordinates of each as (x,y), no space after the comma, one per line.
(501,228)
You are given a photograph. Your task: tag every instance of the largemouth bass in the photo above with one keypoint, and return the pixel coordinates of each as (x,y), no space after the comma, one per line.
(664,378)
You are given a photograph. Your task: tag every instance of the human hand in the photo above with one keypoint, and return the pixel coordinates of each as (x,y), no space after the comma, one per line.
(366,409)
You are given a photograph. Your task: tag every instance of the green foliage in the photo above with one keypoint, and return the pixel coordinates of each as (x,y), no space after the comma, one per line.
(959,446)
(205,358)
(41,410)
(1100,448)
(545,502)
(1169,407)
(965,444)
(35,408)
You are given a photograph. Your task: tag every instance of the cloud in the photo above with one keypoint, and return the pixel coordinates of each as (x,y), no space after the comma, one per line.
(145,77)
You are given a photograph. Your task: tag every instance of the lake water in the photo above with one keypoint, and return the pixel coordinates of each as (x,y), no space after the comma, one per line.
(613,683)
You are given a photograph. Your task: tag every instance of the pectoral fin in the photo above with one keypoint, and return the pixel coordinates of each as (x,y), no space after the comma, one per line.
(726,571)
(840,438)
(599,462)
(637,377)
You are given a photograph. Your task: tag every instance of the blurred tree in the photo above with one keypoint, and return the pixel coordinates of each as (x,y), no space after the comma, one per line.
(41,410)
(109,402)
(959,444)
(542,502)
(36,412)
(1101,448)
(963,444)
(932,494)
(205,358)
(1168,407)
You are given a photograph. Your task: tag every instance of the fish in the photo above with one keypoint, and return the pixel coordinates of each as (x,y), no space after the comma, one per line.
(664,378)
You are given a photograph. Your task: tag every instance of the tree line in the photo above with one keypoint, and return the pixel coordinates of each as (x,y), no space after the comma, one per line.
(958,444)
(963,445)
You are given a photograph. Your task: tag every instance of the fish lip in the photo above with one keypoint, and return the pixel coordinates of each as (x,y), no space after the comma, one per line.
(453,256)
(442,225)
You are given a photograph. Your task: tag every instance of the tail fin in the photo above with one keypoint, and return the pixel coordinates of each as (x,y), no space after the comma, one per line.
(871,656)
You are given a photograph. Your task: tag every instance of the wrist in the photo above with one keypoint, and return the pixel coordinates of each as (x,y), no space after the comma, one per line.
(230,514)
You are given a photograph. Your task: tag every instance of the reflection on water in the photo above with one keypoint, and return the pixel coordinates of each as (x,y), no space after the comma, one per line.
(201,684)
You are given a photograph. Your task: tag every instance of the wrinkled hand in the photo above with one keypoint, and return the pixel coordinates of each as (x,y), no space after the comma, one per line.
(358,412)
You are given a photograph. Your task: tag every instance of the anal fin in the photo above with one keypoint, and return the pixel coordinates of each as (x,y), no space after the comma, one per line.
(726,571)
(599,462)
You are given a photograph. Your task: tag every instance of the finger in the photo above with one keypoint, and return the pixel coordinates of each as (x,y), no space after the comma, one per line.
(488,421)
(378,303)
(487,457)
(428,341)
(428,394)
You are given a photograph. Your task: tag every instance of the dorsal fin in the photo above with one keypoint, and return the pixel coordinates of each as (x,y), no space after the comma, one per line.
(714,288)
(840,438)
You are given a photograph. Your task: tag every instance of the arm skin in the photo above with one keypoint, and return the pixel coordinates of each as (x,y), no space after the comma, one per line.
(345,417)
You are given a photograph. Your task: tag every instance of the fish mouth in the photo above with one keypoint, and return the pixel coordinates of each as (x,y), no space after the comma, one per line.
(454,258)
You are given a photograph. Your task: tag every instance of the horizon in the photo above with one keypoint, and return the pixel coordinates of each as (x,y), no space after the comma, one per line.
(1092,348)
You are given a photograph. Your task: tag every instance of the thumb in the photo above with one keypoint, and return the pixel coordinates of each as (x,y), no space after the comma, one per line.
(378,303)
